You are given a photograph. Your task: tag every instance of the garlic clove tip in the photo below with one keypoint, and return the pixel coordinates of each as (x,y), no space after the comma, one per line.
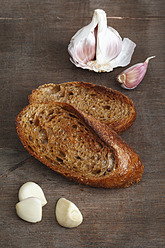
(148,59)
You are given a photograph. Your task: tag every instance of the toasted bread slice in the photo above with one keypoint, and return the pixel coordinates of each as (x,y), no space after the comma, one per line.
(77,146)
(108,106)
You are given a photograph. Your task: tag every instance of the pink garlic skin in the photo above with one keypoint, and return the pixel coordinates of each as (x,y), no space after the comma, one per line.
(115,44)
(85,51)
(130,78)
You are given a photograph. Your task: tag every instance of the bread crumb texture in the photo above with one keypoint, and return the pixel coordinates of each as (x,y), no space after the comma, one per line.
(109,106)
(60,139)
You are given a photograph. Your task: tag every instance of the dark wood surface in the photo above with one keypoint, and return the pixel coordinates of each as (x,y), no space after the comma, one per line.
(34,36)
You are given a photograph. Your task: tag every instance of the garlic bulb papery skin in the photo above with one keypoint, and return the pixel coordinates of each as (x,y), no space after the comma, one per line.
(131,77)
(98,47)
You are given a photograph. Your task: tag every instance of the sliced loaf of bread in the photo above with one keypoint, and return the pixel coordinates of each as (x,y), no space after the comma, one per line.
(108,106)
(77,145)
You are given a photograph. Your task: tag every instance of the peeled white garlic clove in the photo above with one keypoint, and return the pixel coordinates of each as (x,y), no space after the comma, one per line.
(98,47)
(67,214)
(31,189)
(30,209)
(131,77)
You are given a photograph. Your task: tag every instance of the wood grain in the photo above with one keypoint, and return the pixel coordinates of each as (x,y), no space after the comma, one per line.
(34,36)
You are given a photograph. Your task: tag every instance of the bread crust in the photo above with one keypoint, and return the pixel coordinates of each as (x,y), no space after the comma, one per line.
(129,168)
(119,125)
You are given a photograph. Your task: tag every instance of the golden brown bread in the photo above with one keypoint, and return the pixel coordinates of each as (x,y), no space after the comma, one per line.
(109,106)
(78,146)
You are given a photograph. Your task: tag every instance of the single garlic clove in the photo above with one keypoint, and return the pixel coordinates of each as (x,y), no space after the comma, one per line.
(131,77)
(30,209)
(84,50)
(124,58)
(31,189)
(67,214)
(98,47)
(82,47)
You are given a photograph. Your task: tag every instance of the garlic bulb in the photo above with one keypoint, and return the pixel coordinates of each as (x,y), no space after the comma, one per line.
(98,47)
(131,77)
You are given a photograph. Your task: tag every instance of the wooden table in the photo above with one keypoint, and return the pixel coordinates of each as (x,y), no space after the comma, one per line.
(34,36)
